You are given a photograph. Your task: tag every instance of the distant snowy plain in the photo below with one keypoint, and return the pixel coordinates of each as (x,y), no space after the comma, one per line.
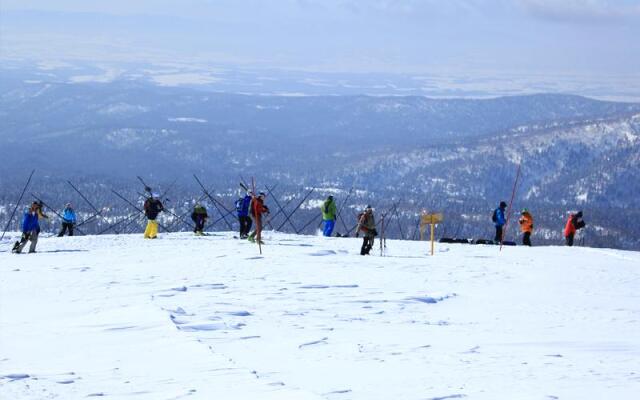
(184,317)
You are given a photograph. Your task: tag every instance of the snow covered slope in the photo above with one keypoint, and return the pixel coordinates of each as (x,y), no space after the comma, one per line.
(118,317)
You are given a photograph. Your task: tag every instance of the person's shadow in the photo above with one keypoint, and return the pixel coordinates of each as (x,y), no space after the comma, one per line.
(63,251)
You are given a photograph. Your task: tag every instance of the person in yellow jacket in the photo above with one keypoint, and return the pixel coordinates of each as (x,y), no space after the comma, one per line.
(526,226)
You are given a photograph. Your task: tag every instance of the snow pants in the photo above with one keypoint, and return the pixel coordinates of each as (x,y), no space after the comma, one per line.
(498,237)
(66,226)
(367,245)
(569,240)
(245,226)
(151,231)
(199,222)
(26,237)
(526,239)
(329,224)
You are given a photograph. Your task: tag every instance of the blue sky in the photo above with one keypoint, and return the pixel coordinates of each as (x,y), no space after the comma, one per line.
(596,37)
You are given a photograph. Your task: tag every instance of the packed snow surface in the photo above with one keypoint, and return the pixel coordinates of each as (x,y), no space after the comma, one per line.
(183,317)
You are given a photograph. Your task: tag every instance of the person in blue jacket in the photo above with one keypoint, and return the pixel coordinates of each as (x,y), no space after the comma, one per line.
(30,229)
(499,220)
(242,210)
(68,220)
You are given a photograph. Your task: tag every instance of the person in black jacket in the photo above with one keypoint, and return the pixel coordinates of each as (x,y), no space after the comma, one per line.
(199,217)
(152,207)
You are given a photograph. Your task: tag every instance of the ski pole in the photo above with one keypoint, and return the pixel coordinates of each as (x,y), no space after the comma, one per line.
(513,194)
(214,201)
(97,212)
(310,222)
(282,210)
(54,211)
(344,203)
(112,226)
(257,214)
(17,204)
(270,191)
(137,208)
(297,207)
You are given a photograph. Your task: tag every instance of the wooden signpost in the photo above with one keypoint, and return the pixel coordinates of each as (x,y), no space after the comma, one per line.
(430,219)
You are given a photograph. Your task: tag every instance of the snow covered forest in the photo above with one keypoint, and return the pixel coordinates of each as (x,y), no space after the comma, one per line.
(404,154)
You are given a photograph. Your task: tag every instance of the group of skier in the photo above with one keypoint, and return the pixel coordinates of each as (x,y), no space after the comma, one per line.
(250,210)
(574,223)
(30,225)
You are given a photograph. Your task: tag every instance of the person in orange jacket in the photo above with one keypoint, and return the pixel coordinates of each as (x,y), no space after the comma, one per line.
(526,226)
(574,223)
(256,210)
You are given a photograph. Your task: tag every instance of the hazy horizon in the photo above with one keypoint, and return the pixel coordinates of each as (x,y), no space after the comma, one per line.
(586,47)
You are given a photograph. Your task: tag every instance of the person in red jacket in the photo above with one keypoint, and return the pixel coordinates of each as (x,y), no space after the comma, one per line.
(574,222)
(256,209)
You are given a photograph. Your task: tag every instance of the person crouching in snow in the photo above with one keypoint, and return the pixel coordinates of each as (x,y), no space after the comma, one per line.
(526,226)
(68,220)
(367,225)
(30,229)
(257,209)
(574,223)
(199,217)
(152,207)
(329,213)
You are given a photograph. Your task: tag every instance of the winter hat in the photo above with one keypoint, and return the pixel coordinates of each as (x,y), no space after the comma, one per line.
(262,194)
(155,195)
(579,214)
(330,197)
(503,204)
(68,205)
(525,211)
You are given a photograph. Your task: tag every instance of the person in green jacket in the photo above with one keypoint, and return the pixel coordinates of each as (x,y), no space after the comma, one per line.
(329,214)
(199,217)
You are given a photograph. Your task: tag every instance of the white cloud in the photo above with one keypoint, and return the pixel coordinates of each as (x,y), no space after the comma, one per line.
(602,11)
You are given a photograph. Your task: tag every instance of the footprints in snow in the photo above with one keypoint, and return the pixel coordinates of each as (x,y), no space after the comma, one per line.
(319,286)
(16,377)
(431,299)
(66,378)
(324,340)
